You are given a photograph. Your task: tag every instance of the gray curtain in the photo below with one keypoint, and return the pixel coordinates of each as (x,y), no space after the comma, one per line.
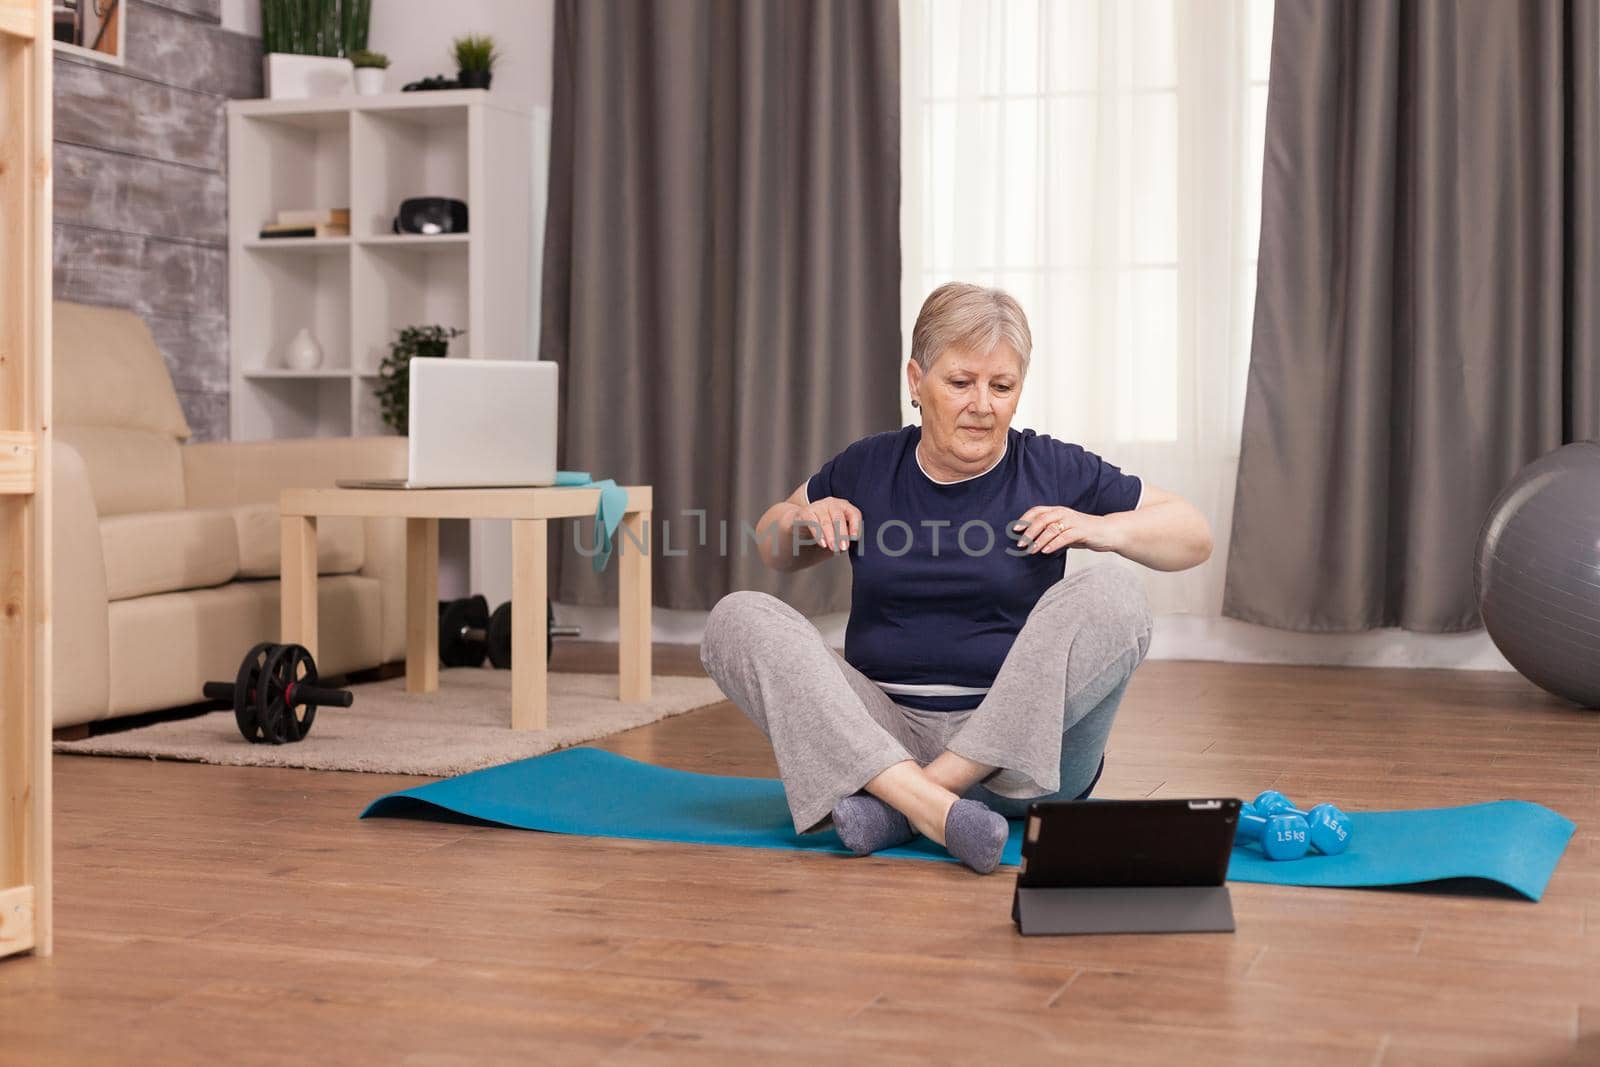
(721,268)
(1428,304)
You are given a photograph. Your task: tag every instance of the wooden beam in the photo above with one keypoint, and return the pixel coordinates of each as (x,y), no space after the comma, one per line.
(25,650)
(530,557)
(422,604)
(41,852)
(16,525)
(18,463)
(297,570)
(17,689)
(633,608)
(17,20)
(16,920)
(42,175)
(529,502)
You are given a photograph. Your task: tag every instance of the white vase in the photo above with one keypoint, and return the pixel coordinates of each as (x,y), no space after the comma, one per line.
(302,352)
(369,80)
(286,75)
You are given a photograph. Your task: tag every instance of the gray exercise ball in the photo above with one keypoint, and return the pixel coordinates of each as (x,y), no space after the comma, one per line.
(1537,573)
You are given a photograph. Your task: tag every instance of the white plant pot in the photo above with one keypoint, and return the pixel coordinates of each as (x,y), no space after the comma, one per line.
(302,352)
(288,76)
(369,80)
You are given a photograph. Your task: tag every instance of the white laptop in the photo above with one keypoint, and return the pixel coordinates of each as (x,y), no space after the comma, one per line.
(478,423)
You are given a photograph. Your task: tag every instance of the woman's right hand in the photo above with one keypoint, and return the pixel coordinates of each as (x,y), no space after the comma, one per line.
(833,522)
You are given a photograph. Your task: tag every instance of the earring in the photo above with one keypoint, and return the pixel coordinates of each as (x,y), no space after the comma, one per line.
(915,404)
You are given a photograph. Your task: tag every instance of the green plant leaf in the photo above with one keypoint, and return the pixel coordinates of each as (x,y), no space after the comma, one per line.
(474,52)
(393,388)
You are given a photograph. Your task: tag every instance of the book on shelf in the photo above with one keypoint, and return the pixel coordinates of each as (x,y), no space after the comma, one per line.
(293,229)
(315,216)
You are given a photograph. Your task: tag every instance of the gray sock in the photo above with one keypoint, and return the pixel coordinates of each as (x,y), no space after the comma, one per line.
(975,834)
(866,824)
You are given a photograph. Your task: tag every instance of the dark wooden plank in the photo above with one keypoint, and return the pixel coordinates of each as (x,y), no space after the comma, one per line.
(124,194)
(100,107)
(173,49)
(144,274)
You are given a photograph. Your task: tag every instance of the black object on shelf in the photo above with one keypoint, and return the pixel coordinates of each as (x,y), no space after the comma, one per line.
(430,215)
(432,82)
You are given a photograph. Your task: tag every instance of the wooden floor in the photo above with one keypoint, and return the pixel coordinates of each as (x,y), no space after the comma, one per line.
(216,915)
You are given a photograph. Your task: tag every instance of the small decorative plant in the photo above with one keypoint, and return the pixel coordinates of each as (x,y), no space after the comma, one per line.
(475,59)
(370,67)
(394,373)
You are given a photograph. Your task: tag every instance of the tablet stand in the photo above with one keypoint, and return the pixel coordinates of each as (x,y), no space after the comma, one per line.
(1122,909)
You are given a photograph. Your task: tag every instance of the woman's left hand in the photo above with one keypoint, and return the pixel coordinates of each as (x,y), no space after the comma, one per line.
(1049,527)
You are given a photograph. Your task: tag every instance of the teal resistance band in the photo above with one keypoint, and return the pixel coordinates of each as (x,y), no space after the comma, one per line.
(608,516)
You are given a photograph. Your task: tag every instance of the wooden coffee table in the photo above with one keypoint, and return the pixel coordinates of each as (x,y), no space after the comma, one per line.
(529,511)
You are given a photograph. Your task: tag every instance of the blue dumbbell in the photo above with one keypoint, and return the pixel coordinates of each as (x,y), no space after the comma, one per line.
(1281,837)
(1330,827)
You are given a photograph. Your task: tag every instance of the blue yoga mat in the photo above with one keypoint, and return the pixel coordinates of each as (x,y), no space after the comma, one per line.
(600,794)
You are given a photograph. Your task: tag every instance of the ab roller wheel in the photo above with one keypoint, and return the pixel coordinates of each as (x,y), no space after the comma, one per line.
(275,695)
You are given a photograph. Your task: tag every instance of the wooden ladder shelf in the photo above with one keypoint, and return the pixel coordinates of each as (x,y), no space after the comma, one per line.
(25,309)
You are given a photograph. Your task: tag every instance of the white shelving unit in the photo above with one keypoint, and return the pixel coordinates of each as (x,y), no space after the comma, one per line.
(354,293)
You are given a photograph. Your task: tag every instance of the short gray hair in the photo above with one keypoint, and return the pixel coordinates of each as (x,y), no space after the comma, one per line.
(971,317)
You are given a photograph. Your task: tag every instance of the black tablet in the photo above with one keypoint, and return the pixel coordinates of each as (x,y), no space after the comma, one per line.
(1107,866)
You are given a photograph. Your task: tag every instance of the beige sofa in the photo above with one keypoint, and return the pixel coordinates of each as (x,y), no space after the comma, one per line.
(166,555)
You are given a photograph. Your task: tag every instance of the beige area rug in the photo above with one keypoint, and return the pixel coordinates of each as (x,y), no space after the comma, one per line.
(464,726)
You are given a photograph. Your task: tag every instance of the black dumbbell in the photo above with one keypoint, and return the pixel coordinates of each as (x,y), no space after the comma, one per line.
(467,632)
(463,634)
(275,695)
(499,634)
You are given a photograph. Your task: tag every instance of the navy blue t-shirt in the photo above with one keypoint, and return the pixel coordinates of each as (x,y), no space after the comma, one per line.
(939,588)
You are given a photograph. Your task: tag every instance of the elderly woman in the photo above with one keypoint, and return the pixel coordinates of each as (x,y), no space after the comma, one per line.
(975,676)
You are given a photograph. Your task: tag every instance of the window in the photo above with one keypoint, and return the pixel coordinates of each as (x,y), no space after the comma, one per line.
(1101,160)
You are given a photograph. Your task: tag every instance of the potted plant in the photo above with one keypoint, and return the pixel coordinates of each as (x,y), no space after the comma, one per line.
(369,71)
(308,43)
(394,373)
(475,59)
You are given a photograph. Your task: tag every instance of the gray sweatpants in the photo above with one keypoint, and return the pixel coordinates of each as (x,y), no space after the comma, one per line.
(1043,724)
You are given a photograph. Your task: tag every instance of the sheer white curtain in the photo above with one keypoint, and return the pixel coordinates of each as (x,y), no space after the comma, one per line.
(1101,160)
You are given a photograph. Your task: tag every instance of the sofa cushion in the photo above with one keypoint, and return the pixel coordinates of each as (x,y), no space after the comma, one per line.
(167,552)
(109,372)
(78,639)
(341,542)
(129,470)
